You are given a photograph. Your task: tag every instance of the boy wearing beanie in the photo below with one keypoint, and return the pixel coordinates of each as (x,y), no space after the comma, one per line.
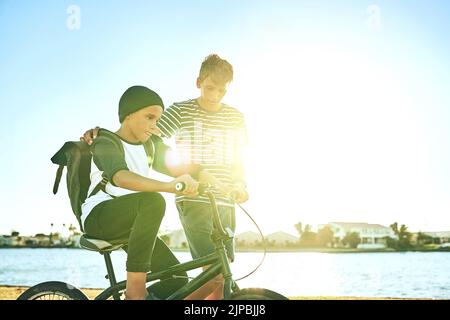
(128,204)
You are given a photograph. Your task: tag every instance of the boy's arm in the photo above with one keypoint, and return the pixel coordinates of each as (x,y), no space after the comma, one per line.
(165,164)
(168,124)
(109,158)
(132,181)
(238,187)
(238,172)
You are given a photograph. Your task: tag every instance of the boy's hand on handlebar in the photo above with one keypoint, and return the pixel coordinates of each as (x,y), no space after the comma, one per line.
(191,186)
(239,193)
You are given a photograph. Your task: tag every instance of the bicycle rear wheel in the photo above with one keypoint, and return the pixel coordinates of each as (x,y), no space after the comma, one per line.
(53,290)
(257,294)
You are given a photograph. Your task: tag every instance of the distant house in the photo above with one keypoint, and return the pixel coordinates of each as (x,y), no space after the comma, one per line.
(177,239)
(42,239)
(281,238)
(439,236)
(30,241)
(74,240)
(248,238)
(5,240)
(17,241)
(373,236)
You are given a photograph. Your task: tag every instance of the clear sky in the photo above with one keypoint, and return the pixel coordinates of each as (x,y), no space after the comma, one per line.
(347,103)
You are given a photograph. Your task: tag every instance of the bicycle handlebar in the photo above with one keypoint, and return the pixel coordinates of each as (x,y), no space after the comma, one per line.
(180,186)
(203,188)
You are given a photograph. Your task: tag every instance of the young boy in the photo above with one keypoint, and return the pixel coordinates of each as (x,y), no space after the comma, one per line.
(129,205)
(211,134)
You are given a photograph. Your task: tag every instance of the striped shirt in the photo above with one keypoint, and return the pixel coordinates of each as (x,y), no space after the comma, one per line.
(213,139)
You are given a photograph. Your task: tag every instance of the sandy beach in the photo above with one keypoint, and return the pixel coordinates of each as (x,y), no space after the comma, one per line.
(12,292)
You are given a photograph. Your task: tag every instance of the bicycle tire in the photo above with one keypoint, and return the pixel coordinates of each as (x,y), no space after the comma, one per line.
(257,294)
(53,290)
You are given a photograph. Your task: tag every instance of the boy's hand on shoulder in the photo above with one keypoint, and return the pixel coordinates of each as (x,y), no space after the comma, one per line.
(90,135)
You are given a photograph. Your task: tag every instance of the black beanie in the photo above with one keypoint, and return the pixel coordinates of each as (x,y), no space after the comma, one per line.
(136,98)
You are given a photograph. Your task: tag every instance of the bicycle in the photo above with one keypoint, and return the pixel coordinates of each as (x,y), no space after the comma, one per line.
(218,262)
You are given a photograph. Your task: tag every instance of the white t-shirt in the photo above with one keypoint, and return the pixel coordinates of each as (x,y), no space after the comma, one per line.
(134,159)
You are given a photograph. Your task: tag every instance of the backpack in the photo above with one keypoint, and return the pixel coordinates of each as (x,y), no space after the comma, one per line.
(77,156)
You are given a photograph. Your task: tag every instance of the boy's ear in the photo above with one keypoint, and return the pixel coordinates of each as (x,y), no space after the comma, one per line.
(198,83)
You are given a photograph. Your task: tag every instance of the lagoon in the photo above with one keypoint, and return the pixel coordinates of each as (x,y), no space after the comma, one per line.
(381,274)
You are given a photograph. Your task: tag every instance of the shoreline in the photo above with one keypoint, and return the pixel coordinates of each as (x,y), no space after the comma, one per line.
(275,250)
(8,292)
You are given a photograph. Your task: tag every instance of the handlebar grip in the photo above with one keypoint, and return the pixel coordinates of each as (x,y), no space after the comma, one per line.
(202,188)
(180,186)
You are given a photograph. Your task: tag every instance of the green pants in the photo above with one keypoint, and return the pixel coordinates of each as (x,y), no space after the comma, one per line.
(137,217)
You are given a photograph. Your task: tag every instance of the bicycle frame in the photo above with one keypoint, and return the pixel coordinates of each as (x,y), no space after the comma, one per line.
(218,264)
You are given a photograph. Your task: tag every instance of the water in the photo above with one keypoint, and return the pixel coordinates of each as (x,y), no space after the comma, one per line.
(408,274)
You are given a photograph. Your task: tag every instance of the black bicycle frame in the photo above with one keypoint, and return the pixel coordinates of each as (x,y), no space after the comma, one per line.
(217,262)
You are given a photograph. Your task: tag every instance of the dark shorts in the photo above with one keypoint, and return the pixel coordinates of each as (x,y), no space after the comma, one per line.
(196,218)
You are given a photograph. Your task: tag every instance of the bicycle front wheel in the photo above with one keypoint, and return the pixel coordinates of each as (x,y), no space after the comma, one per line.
(53,290)
(257,294)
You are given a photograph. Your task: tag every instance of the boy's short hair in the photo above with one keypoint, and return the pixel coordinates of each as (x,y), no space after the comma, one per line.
(220,70)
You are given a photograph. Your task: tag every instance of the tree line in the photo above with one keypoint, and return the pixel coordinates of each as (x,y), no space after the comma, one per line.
(325,238)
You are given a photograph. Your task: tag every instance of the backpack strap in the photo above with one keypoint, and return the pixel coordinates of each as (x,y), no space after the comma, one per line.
(102,184)
(58,178)
(150,151)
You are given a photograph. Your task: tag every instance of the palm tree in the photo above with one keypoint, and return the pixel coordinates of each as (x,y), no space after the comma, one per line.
(72,229)
(325,236)
(307,237)
(423,238)
(51,233)
(403,235)
(298,226)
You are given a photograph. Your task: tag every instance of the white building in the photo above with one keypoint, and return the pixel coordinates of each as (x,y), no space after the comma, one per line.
(373,236)
(442,236)
(17,241)
(281,238)
(248,238)
(5,240)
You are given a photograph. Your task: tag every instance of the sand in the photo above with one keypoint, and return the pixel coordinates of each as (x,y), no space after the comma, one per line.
(12,292)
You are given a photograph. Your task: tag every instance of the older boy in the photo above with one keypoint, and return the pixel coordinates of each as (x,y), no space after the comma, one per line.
(212,134)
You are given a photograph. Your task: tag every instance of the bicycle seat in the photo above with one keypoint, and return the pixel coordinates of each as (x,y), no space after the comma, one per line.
(99,245)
